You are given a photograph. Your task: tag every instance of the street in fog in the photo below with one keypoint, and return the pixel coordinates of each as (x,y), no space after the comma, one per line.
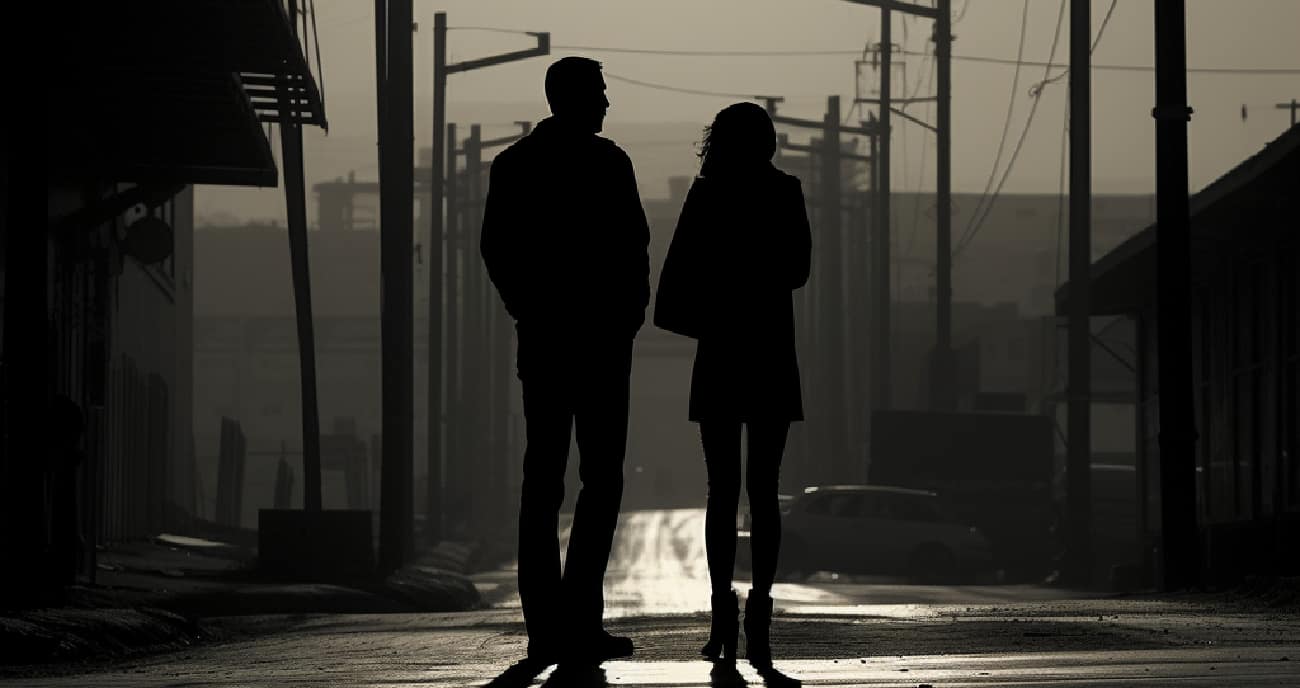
(657,567)
(975,326)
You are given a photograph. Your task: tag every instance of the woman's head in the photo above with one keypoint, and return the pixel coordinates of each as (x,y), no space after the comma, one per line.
(740,137)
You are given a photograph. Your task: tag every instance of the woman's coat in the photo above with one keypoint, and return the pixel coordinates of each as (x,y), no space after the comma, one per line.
(741,246)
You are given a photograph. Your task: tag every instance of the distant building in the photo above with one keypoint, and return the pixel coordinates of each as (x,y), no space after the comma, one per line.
(1246,364)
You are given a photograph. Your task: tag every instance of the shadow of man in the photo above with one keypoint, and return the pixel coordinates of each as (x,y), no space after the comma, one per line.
(518,675)
(775,679)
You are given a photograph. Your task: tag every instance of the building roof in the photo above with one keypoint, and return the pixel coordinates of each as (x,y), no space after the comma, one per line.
(161,91)
(1251,195)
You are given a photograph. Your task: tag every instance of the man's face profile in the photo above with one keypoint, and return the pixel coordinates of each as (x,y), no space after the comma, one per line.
(589,103)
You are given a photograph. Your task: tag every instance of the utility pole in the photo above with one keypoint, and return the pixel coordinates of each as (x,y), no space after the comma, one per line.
(433,408)
(452,291)
(880,351)
(441,70)
(487,338)
(828,376)
(295,196)
(1177,435)
(832,302)
(943,366)
(1293,106)
(474,334)
(1078,464)
(397,133)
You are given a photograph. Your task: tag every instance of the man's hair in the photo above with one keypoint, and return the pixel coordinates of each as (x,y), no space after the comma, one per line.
(567,77)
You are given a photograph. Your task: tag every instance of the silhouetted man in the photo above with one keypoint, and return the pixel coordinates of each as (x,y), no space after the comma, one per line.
(564,240)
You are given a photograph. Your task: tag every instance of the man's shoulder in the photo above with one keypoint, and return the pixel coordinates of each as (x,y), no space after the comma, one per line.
(613,150)
(785,178)
(513,152)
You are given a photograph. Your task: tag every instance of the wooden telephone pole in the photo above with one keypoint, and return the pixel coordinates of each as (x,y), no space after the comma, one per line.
(1078,463)
(396,198)
(1177,436)
(1293,106)
(943,366)
(831,444)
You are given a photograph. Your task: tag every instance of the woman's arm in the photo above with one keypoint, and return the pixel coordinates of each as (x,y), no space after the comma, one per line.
(800,237)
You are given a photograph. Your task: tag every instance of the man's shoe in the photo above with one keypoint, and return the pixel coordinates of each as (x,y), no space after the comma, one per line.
(542,655)
(598,647)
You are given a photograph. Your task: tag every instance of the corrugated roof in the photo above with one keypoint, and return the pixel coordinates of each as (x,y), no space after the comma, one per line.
(1136,254)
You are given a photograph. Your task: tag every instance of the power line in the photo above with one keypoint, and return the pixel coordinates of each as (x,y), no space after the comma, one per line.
(1102,29)
(972,231)
(680,89)
(1008,61)
(975,219)
(1011,62)
(1011,109)
(962,14)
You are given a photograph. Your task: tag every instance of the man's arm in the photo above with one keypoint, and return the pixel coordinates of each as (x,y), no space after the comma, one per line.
(638,230)
(499,240)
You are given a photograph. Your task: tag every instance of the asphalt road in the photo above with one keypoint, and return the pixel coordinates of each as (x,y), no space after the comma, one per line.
(827,633)
(657,566)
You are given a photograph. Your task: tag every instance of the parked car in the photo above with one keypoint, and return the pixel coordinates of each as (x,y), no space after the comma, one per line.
(879,530)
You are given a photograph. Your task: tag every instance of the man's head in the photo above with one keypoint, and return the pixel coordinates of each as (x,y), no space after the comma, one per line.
(575,91)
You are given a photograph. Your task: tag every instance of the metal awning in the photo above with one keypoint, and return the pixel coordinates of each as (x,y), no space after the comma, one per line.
(160,90)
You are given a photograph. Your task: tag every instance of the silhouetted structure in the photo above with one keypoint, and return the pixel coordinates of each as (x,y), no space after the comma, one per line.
(144,99)
(564,240)
(1244,335)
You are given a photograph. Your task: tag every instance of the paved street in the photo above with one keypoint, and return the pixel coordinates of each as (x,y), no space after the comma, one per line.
(828,633)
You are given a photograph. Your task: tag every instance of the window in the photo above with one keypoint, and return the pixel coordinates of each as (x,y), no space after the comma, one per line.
(914,508)
(846,506)
(818,506)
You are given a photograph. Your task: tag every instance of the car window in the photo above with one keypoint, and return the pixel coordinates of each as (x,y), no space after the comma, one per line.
(818,506)
(914,508)
(874,507)
(845,505)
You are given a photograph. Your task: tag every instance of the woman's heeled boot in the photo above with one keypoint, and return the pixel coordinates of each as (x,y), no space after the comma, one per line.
(724,628)
(758,617)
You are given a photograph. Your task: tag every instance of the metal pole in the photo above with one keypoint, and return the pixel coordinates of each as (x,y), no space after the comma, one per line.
(942,368)
(295,196)
(452,290)
(396,235)
(832,301)
(1292,106)
(880,374)
(1173,279)
(1078,465)
(381,77)
(433,420)
(473,358)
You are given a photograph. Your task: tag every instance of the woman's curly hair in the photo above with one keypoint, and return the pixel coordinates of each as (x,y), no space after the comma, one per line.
(740,136)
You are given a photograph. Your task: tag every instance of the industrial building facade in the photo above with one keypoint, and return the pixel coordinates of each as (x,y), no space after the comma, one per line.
(1245,337)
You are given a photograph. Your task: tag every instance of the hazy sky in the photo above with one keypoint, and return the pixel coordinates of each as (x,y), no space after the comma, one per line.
(1247,33)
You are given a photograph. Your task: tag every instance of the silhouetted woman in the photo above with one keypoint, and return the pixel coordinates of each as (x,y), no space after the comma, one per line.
(741,247)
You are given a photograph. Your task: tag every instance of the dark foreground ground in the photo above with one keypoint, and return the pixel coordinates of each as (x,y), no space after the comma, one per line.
(828,633)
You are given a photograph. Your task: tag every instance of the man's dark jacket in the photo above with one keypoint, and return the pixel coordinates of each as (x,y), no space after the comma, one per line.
(564,234)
